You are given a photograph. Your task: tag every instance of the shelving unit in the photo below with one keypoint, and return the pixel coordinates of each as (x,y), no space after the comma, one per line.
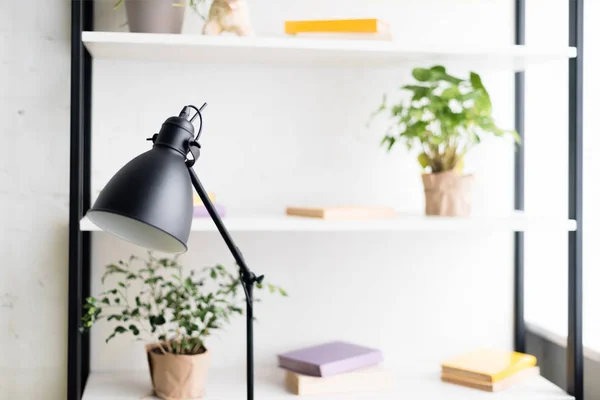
(229,385)
(518,222)
(86,44)
(301,51)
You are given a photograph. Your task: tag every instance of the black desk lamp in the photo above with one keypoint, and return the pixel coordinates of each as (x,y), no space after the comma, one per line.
(149,203)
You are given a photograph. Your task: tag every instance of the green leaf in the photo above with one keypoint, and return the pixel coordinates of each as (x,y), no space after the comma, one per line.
(421,74)
(419,92)
(121,284)
(105,300)
(137,301)
(153,280)
(283,292)
(157,320)
(416,113)
(451,93)
(272,288)
(134,329)
(213,274)
(475,80)
(188,283)
(438,69)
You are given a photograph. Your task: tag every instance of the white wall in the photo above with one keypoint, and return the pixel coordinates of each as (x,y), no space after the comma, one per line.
(277,136)
(34,170)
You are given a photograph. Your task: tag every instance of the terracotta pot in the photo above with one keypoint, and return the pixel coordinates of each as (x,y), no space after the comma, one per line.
(175,376)
(155,16)
(448,194)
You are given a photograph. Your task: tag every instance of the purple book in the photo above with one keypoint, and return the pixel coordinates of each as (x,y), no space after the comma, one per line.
(201,211)
(330,359)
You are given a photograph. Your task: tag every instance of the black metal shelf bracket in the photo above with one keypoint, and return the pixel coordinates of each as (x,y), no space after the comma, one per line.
(575,282)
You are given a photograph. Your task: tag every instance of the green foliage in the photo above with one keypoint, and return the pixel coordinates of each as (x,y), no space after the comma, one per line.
(446,117)
(178,311)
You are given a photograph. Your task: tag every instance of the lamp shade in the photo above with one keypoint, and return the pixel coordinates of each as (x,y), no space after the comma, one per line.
(149,201)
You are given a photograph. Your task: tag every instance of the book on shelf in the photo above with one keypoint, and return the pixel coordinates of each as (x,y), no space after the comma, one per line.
(330,359)
(373,379)
(488,365)
(341,213)
(200,210)
(366,28)
(491,386)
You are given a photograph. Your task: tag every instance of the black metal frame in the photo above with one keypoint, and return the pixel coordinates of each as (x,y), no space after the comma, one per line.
(574,349)
(78,355)
(80,195)
(574,339)
(519,310)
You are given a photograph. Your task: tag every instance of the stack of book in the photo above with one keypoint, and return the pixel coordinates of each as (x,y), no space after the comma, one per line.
(490,370)
(369,28)
(334,368)
(201,212)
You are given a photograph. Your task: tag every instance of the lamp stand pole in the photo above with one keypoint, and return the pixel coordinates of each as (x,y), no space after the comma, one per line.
(247,277)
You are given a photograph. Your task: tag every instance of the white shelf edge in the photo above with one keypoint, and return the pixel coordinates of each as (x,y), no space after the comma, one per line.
(291,50)
(229,384)
(516,222)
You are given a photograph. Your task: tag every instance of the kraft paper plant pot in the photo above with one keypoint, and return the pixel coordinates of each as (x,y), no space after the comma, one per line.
(155,16)
(448,194)
(176,376)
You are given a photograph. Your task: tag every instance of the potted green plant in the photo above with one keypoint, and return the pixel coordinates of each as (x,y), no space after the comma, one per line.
(154,300)
(445,117)
(157,16)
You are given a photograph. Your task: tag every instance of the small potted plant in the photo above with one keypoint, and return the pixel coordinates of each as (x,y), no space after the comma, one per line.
(153,299)
(158,16)
(445,117)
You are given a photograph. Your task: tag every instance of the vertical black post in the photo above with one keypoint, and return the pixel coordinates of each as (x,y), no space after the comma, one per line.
(88,25)
(79,197)
(519,201)
(574,340)
(248,279)
(75,365)
(250,343)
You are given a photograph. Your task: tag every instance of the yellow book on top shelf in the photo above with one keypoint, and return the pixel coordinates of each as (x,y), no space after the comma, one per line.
(369,25)
(488,365)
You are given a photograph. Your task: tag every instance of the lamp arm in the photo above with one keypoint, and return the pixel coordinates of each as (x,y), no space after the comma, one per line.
(248,278)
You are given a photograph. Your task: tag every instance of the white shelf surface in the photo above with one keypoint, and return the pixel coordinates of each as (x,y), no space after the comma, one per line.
(303,51)
(517,222)
(228,385)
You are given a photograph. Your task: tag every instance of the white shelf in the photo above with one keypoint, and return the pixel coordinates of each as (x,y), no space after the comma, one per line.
(228,385)
(302,51)
(516,223)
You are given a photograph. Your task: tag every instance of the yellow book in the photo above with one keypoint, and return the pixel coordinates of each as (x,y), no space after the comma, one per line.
(337,26)
(492,386)
(488,365)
